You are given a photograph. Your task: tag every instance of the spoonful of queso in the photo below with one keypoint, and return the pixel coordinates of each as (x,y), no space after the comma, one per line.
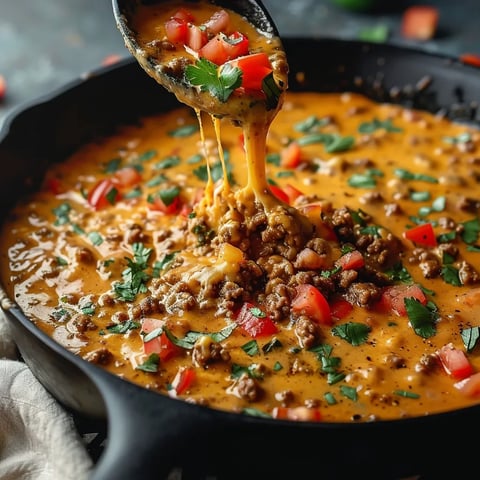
(227,61)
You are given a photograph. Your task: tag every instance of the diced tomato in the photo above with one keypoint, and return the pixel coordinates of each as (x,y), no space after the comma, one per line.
(160,344)
(111,59)
(182,382)
(254,321)
(351,260)
(340,308)
(159,205)
(103,194)
(311,302)
(419,22)
(255,68)
(279,193)
(393,298)
(469,386)
(184,14)
(455,362)
(292,192)
(291,155)
(302,414)
(176,30)
(422,234)
(127,177)
(196,37)
(3,87)
(470,59)
(218,22)
(222,48)
(54,185)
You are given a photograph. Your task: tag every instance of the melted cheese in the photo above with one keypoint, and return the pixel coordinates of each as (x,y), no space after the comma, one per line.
(239,243)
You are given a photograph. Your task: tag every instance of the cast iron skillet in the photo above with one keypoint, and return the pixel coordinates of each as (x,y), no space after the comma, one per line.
(149,433)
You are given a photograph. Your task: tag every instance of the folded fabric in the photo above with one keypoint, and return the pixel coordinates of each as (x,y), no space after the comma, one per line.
(38,438)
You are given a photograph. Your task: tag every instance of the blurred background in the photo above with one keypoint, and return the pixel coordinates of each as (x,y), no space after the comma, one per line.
(45,44)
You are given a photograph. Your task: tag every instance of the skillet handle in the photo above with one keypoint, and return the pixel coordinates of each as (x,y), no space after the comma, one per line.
(147,437)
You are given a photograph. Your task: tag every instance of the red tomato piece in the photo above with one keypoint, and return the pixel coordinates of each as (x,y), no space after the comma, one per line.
(103,194)
(393,298)
(279,193)
(292,192)
(176,30)
(255,68)
(254,321)
(160,344)
(222,48)
(351,260)
(127,177)
(54,185)
(455,362)
(196,37)
(184,14)
(159,205)
(311,302)
(111,59)
(419,22)
(340,308)
(183,380)
(302,414)
(470,59)
(422,234)
(3,87)
(469,386)
(218,22)
(291,155)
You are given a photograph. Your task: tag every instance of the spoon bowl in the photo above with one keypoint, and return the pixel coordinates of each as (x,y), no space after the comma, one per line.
(153,62)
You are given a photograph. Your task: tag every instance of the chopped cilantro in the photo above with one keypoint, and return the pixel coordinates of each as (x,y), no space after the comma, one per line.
(95,238)
(251,348)
(406,394)
(310,124)
(407,175)
(167,162)
(253,412)
(421,317)
(470,337)
(184,131)
(112,165)
(134,276)
(471,229)
(124,327)
(353,332)
(271,90)
(376,124)
(219,82)
(272,345)
(330,398)
(150,365)
(349,392)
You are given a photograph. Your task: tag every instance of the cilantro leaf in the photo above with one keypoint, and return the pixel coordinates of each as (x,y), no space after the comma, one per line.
(421,317)
(272,92)
(219,82)
(353,332)
(470,337)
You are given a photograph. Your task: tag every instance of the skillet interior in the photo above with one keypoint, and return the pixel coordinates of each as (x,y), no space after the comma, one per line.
(149,433)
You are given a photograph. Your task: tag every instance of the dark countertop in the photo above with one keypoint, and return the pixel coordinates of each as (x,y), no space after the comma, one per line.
(49,43)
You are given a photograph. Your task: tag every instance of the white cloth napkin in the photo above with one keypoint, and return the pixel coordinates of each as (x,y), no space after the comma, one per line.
(38,439)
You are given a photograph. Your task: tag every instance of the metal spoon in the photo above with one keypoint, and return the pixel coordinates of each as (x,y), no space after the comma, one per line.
(252,10)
